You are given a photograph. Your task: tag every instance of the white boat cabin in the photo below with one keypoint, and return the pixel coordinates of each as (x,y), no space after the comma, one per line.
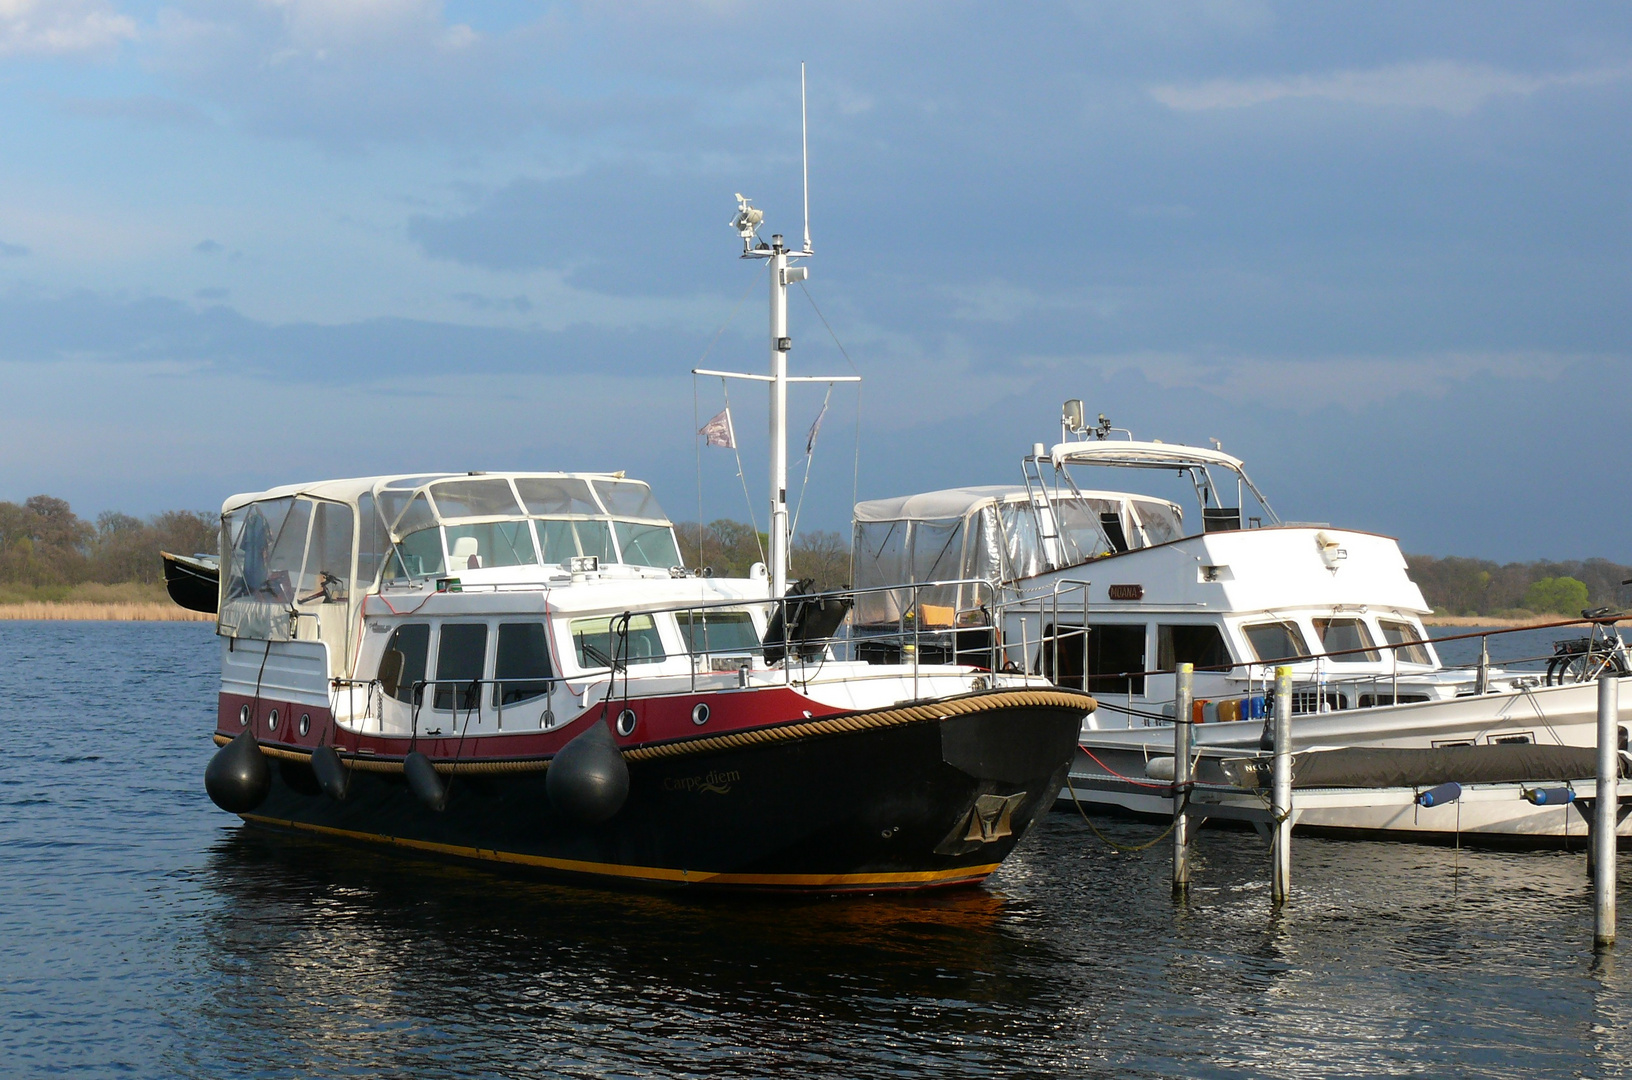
(297,561)
(1227,587)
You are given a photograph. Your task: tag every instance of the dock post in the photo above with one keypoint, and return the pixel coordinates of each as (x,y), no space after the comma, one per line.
(1281,790)
(1603,829)
(1182,683)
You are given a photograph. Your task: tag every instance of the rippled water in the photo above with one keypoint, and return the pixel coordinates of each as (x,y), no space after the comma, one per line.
(144,933)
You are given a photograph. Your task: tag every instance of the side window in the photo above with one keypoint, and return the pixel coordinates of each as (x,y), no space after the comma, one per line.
(1116,657)
(1346,636)
(597,646)
(1276,641)
(422,552)
(1403,634)
(522,668)
(413,642)
(1202,646)
(460,656)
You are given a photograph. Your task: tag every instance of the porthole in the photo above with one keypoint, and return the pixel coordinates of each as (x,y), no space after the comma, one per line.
(626,722)
(699,714)
(272,720)
(243,716)
(305,722)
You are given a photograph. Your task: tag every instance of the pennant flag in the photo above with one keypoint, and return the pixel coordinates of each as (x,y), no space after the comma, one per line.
(718,431)
(815,428)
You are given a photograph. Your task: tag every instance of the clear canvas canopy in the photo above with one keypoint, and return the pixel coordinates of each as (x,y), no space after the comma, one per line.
(998,534)
(297,560)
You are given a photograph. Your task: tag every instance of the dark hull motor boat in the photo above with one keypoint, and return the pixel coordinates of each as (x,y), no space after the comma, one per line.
(629,723)
(193,582)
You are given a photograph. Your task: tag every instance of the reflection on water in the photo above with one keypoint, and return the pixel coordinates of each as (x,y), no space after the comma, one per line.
(149,936)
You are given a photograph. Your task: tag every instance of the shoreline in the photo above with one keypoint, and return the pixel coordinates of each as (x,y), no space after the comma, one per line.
(104,611)
(1491,620)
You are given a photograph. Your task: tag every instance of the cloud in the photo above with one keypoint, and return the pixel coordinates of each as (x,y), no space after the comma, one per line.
(208,247)
(348,75)
(12,251)
(61,27)
(84,325)
(212,294)
(584,225)
(1446,85)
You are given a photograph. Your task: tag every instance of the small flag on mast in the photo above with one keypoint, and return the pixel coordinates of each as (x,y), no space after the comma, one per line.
(815,429)
(718,431)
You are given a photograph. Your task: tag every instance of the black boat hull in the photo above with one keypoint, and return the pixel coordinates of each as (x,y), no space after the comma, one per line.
(888,805)
(191,583)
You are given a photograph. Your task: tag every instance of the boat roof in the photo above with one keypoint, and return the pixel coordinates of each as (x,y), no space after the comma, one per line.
(1141,455)
(963,501)
(350,490)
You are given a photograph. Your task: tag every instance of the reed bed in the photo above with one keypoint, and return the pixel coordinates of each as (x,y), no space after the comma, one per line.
(118,611)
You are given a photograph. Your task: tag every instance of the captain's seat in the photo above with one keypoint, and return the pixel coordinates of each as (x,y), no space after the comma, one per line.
(465,554)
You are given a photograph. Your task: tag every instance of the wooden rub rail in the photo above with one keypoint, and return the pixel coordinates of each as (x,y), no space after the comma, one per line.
(981,701)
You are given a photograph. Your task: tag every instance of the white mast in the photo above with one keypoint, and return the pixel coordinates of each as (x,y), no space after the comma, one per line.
(777,255)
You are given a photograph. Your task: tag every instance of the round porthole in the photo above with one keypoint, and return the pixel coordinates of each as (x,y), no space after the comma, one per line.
(699,714)
(626,722)
(305,722)
(272,720)
(546,718)
(243,716)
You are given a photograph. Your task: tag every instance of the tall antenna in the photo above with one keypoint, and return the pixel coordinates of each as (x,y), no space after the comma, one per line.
(804,149)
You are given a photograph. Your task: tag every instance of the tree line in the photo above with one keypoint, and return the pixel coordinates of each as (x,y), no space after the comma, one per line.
(44,543)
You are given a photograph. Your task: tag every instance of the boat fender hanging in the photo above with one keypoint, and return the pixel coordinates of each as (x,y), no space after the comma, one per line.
(1549,796)
(588,780)
(332,775)
(238,778)
(1443,793)
(424,781)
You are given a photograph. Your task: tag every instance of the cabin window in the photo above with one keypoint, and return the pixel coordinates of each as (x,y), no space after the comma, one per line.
(728,632)
(1200,645)
(475,498)
(421,552)
(1274,641)
(1116,657)
(596,646)
(556,495)
(416,517)
(627,499)
(460,656)
(374,542)
(521,667)
(1411,648)
(1346,636)
(328,556)
(413,641)
(646,545)
(561,540)
(490,543)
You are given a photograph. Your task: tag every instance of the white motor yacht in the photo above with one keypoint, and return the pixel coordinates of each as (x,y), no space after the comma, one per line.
(1234,590)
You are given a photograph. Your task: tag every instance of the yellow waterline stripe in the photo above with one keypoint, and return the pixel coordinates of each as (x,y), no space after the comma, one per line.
(649,873)
(941,710)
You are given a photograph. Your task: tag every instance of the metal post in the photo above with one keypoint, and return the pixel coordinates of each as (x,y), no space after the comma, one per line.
(1603,829)
(779,419)
(1281,790)
(1181,778)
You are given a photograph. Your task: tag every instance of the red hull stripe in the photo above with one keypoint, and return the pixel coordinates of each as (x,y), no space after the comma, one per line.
(961,875)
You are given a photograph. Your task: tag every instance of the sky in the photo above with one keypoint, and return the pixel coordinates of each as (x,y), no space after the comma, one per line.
(1380,251)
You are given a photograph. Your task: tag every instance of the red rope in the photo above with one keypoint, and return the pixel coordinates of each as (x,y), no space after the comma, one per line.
(1119,776)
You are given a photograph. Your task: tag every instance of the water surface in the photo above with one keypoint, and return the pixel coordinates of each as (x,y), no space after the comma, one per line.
(147,934)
